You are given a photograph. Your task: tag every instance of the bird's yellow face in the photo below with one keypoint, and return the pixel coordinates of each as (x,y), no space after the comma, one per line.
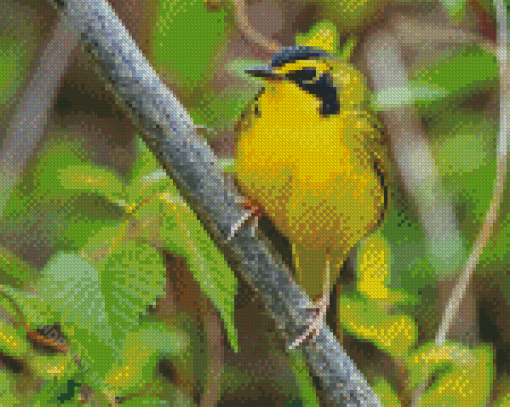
(302,156)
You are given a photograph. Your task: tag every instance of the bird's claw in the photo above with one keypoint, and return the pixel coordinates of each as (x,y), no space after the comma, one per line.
(251,212)
(320,319)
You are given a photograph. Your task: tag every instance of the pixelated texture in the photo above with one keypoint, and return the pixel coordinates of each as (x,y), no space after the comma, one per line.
(110,285)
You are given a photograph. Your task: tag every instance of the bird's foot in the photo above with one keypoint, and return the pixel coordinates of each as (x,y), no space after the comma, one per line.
(319,321)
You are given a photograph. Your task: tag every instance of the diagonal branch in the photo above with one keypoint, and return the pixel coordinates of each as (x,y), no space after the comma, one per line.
(171,136)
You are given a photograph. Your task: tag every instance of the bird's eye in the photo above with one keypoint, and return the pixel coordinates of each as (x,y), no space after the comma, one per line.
(306,76)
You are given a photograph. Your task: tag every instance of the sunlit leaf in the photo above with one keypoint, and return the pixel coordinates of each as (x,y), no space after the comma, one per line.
(89,178)
(170,218)
(374,269)
(54,366)
(13,270)
(456,8)
(461,373)
(141,351)
(386,394)
(322,35)
(367,320)
(13,341)
(307,393)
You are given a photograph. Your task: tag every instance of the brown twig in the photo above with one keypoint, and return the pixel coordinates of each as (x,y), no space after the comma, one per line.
(215,357)
(247,30)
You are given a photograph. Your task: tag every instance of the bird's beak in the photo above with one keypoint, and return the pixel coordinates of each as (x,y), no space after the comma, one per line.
(264,72)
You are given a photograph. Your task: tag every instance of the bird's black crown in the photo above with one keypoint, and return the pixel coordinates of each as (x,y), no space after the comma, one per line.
(293,54)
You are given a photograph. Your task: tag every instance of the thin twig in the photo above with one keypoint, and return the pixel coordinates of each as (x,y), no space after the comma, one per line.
(215,357)
(250,33)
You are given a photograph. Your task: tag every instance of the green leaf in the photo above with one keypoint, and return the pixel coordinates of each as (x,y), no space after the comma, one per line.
(502,386)
(157,182)
(134,275)
(300,370)
(100,304)
(466,70)
(456,8)
(414,92)
(40,181)
(223,108)
(56,366)
(13,270)
(13,341)
(322,35)
(61,174)
(496,254)
(201,35)
(168,217)
(147,177)
(385,392)
(145,162)
(373,268)
(7,396)
(140,354)
(89,313)
(89,178)
(351,15)
(463,143)
(461,373)
(41,206)
(394,333)
(153,402)
(20,39)
(56,393)
(11,68)
(183,235)
(36,312)
(100,244)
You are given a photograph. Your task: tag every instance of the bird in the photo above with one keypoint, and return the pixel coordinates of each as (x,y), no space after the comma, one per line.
(311,156)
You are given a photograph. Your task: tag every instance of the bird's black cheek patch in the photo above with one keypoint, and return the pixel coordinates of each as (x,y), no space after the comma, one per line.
(326,92)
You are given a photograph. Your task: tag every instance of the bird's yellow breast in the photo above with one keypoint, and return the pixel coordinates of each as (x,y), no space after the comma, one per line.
(316,176)
(311,174)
